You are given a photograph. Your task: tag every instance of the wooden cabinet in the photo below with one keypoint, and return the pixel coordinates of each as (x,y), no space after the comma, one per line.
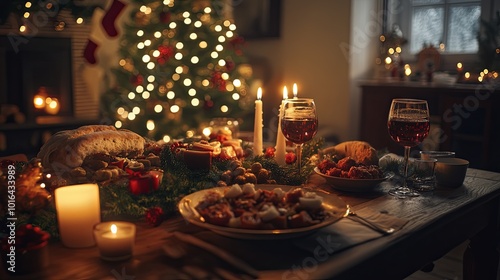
(464,119)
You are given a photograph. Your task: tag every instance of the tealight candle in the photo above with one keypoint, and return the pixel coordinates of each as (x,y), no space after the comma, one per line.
(115,240)
(295,91)
(78,210)
(280,152)
(257,129)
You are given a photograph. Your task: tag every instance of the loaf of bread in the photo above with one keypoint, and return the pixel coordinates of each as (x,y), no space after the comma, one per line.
(362,152)
(69,148)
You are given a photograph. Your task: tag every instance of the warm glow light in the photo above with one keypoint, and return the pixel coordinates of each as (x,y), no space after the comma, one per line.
(398,49)
(136,110)
(294,90)
(27,5)
(175,108)
(79,20)
(459,66)
(259,93)
(150,125)
(158,108)
(139,89)
(146,95)
(193,36)
(224,109)
(207,131)
(166,138)
(285,93)
(52,106)
(237,82)
(170,95)
(114,229)
(39,102)
(118,124)
(131,95)
(236,96)
(140,33)
(388,60)
(203,44)
(467,75)
(218,28)
(195,102)
(195,59)
(187,82)
(390,51)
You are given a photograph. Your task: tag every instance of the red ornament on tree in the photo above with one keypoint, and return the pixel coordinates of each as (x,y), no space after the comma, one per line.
(137,80)
(166,52)
(218,82)
(208,105)
(154,216)
(165,17)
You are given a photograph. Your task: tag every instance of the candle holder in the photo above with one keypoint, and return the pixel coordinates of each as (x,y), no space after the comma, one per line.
(115,240)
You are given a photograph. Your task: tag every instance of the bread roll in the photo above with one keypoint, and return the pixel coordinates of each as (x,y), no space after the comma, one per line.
(70,147)
(362,152)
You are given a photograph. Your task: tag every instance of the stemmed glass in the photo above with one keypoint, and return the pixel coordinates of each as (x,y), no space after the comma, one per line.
(299,123)
(408,125)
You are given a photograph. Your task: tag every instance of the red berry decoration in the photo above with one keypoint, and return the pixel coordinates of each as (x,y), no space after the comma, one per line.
(290,158)
(136,80)
(269,152)
(154,216)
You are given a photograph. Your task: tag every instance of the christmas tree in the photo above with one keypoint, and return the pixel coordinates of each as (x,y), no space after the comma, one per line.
(181,65)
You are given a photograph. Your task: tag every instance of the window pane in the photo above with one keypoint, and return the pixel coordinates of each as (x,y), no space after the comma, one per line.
(426,2)
(462,29)
(426,27)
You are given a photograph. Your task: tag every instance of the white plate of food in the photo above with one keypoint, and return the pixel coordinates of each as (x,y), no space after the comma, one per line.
(237,216)
(351,184)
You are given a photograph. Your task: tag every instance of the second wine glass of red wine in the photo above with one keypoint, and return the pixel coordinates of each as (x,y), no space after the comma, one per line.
(408,125)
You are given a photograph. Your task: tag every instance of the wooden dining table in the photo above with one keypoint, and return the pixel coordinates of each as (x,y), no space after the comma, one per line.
(436,222)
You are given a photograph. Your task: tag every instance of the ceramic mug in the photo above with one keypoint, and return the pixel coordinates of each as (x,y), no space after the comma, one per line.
(450,172)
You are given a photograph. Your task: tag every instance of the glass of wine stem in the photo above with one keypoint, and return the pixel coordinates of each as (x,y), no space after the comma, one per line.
(299,123)
(408,125)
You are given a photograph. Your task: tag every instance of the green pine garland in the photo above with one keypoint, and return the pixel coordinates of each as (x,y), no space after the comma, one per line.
(117,202)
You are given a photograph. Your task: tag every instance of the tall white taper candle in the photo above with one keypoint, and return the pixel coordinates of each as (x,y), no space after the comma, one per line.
(257,127)
(280,152)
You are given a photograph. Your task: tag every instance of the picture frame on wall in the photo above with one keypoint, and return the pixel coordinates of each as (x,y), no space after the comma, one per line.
(257,19)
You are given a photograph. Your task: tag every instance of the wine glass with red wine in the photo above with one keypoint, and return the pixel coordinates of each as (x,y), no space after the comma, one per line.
(408,125)
(299,123)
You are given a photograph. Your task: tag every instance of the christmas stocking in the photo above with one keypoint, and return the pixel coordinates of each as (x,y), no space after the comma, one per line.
(89,52)
(108,21)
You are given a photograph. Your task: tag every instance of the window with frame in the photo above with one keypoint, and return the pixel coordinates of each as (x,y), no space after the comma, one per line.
(449,25)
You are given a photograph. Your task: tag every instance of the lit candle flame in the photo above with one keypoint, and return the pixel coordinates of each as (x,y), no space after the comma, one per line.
(114,228)
(285,93)
(259,93)
(294,89)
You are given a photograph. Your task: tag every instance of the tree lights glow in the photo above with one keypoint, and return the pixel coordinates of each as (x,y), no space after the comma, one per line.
(182,67)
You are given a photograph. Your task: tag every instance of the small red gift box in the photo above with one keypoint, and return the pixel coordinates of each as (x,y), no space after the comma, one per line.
(144,182)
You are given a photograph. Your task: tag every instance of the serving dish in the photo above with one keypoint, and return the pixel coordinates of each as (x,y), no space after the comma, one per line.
(349,184)
(331,202)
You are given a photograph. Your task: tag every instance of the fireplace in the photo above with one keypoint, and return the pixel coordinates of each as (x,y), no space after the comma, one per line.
(37,77)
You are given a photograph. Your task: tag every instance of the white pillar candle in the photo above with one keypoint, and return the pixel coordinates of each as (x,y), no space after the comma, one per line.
(257,129)
(295,91)
(78,210)
(280,152)
(115,240)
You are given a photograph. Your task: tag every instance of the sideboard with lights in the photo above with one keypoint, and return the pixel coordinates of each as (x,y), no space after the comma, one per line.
(465,118)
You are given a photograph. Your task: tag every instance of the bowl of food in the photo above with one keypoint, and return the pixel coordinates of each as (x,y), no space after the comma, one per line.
(350,175)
